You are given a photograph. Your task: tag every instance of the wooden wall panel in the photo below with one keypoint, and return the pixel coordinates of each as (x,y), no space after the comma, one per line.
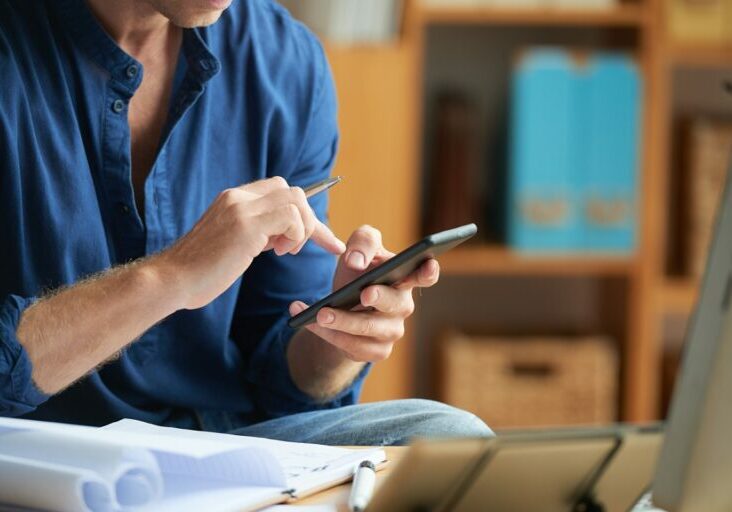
(377,115)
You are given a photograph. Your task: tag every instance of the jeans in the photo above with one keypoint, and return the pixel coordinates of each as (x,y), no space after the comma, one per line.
(389,423)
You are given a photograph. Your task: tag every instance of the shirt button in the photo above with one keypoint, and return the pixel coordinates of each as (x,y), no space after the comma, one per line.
(124,209)
(118,106)
(131,71)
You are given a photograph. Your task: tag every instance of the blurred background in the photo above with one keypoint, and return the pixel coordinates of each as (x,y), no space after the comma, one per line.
(588,139)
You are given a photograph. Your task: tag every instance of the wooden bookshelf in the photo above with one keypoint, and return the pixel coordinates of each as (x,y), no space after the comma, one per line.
(494,260)
(621,16)
(678,296)
(700,56)
(381,154)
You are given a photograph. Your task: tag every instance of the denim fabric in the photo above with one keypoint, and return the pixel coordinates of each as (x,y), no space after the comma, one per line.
(389,423)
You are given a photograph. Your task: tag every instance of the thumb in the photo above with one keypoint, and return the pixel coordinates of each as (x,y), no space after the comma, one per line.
(297,307)
(326,334)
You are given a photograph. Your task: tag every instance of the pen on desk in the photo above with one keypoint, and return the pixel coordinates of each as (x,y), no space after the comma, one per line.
(363,486)
(321,186)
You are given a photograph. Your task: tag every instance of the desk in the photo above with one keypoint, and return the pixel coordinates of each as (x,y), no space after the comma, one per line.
(339,495)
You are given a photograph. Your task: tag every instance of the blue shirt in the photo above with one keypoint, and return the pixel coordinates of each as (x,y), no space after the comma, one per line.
(253,99)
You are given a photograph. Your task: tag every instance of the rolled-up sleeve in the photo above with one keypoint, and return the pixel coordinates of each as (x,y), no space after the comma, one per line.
(277,394)
(18,394)
(272,283)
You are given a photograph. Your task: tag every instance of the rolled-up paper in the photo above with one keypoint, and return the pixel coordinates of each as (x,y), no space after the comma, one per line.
(97,476)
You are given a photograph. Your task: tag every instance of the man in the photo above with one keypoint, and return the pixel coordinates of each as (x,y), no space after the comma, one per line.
(150,157)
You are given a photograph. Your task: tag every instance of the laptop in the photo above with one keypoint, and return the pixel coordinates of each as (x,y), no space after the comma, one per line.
(695,468)
(686,469)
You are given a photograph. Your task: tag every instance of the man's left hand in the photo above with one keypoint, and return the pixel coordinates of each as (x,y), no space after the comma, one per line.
(368,333)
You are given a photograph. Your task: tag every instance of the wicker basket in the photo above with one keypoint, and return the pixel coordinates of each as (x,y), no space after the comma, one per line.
(531,381)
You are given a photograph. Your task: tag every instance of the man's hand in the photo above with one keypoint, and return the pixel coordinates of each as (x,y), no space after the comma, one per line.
(125,301)
(368,334)
(240,224)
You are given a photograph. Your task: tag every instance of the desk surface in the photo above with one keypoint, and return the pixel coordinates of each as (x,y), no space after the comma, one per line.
(339,495)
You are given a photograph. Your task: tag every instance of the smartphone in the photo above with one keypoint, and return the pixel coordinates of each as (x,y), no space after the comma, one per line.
(388,273)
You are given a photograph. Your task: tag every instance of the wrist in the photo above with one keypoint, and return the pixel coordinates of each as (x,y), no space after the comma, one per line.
(161,280)
(318,368)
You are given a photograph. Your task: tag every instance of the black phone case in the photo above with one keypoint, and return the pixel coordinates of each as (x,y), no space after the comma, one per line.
(388,273)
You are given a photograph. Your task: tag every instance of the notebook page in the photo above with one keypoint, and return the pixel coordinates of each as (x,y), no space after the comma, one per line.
(247,466)
(190,497)
(340,470)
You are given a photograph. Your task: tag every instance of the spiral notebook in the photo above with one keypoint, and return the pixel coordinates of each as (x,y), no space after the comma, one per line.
(131,465)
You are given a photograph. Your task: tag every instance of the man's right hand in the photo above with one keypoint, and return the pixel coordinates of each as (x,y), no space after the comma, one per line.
(97,317)
(241,223)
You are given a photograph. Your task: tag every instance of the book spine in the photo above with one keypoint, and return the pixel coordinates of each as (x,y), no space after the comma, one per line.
(454,196)
(542,207)
(610,106)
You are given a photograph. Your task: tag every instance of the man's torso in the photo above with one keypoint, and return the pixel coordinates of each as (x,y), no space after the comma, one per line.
(240,108)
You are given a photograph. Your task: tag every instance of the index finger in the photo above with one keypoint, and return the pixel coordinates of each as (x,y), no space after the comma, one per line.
(326,239)
(266,186)
(425,276)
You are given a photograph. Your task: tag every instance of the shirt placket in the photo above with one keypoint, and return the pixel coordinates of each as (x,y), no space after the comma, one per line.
(117,162)
(159,207)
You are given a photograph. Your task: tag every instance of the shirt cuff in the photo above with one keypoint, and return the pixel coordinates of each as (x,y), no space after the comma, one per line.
(277,392)
(18,393)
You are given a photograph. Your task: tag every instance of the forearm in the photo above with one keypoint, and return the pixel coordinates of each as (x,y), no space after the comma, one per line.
(69,333)
(318,368)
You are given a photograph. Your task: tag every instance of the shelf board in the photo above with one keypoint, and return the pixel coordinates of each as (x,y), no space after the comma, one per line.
(701,56)
(678,296)
(622,15)
(489,260)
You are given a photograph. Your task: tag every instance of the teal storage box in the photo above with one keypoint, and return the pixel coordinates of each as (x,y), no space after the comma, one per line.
(543,207)
(611,110)
(572,178)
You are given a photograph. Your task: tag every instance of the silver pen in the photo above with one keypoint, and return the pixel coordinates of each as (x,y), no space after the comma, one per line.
(321,186)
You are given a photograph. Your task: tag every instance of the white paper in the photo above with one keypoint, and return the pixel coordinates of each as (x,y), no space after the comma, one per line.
(46,486)
(132,465)
(300,508)
(132,474)
(305,465)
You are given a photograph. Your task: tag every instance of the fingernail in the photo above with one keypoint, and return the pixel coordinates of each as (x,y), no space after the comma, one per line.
(327,317)
(431,270)
(357,259)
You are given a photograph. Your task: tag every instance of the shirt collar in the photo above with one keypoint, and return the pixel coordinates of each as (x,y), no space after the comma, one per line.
(91,37)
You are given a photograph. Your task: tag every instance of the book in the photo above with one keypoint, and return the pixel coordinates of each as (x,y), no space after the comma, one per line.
(455,197)
(131,465)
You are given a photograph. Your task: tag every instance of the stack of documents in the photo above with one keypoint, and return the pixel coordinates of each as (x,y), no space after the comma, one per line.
(133,465)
